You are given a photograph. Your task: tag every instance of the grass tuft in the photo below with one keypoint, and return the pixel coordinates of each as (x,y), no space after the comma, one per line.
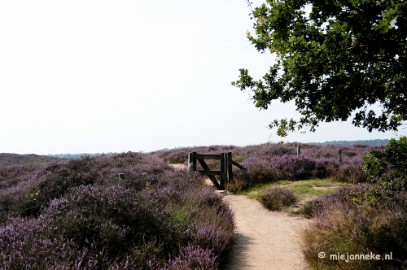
(277,198)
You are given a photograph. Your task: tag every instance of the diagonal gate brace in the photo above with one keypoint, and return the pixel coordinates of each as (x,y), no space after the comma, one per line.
(212,177)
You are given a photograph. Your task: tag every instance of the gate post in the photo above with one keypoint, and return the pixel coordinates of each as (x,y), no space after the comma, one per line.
(223,174)
(226,163)
(192,161)
(229,171)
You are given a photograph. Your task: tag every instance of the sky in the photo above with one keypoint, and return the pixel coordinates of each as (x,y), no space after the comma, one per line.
(93,76)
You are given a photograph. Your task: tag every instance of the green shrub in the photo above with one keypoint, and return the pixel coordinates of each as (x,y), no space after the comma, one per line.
(388,168)
(277,198)
(307,210)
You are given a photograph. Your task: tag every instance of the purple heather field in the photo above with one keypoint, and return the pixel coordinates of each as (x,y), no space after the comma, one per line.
(77,214)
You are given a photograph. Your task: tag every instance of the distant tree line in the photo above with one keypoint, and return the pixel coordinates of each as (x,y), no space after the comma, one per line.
(372,143)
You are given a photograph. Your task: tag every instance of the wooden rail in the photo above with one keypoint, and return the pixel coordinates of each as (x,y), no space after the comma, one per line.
(225,172)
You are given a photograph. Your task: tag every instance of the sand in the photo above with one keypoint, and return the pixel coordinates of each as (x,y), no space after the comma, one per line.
(264,240)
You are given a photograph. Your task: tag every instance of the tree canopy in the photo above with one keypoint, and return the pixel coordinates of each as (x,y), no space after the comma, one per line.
(335,59)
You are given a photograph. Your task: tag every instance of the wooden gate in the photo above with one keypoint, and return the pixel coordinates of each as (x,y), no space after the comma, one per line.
(225,173)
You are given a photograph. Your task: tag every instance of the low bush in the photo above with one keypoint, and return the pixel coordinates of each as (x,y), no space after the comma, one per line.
(192,257)
(236,186)
(307,210)
(364,219)
(277,198)
(350,222)
(349,173)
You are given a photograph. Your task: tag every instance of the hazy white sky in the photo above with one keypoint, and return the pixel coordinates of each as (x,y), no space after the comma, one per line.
(112,76)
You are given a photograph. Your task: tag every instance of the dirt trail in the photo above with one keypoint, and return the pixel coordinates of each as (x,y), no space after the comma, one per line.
(264,240)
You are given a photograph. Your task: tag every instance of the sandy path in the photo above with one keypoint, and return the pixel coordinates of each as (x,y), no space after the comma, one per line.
(264,240)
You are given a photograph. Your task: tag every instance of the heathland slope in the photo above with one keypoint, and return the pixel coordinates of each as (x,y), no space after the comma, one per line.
(79,214)
(15,159)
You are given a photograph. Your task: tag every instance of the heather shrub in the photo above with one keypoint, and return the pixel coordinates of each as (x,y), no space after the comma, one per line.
(212,220)
(194,258)
(24,245)
(115,218)
(279,161)
(80,215)
(177,157)
(16,183)
(277,198)
(56,184)
(294,168)
(349,222)
(15,159)
(12,175)
(211,236)
(349,173)
(345,198)
(261,169)
(271,162)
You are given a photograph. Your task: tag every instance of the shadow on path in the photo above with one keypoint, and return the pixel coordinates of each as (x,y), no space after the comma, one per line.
(237,258)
